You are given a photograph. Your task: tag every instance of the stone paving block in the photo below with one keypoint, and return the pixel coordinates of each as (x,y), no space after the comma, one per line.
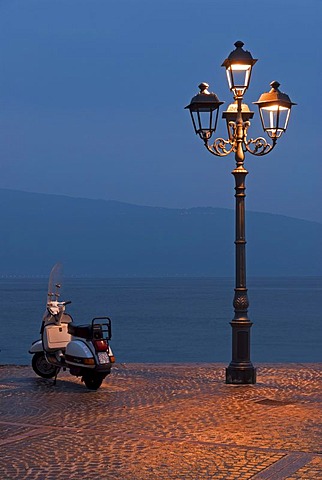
(162,421)
(95,457)
(8,431)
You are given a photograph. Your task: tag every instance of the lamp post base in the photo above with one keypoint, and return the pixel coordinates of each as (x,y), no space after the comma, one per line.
(241,375)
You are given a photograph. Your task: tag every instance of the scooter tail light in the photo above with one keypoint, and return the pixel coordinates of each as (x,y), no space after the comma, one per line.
(100,345)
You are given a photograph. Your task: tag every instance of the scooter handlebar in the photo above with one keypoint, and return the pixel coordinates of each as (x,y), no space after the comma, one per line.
(67,303)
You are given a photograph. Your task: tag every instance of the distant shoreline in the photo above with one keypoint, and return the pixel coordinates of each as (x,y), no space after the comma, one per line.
(138,277)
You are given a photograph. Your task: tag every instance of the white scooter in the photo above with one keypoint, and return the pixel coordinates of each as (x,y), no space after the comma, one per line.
(83,349)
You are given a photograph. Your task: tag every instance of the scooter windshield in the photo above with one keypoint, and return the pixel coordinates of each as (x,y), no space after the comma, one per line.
(55,283)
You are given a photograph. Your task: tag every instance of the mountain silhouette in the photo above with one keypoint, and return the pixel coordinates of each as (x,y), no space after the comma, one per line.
(110,238)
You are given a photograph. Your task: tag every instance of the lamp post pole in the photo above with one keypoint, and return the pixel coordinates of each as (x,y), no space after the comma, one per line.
(240,369)
(274,107)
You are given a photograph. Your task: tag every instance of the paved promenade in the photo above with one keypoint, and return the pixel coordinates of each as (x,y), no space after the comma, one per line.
(162,422)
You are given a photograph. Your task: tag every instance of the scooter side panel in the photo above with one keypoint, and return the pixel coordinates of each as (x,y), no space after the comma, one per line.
(78,348)
(78,353)
(36,347)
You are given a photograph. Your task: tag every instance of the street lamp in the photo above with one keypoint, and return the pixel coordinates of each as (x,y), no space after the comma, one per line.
(274,107)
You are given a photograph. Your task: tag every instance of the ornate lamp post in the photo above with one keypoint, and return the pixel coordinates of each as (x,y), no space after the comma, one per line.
(274,107)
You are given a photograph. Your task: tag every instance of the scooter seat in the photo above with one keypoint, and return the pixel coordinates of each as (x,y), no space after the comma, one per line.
(83,331)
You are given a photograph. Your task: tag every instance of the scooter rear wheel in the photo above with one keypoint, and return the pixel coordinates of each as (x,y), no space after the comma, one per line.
(41,367)
(93,380)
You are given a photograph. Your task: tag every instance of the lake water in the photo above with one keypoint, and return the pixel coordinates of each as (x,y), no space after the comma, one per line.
(173,319)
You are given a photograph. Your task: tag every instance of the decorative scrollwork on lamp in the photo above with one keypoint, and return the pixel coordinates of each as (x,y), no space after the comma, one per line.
(219,147)
(261,146)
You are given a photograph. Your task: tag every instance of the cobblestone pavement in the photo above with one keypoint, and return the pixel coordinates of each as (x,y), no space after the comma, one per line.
(162,422)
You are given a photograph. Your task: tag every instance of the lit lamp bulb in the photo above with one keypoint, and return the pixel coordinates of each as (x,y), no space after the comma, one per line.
(274,108)
(239,66)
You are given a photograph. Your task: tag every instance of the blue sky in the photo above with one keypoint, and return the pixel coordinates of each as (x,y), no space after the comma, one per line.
(92,97)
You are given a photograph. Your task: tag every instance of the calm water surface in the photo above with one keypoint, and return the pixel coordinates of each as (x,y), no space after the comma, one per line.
(173,319)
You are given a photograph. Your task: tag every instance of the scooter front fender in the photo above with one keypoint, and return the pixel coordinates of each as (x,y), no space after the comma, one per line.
(36,347)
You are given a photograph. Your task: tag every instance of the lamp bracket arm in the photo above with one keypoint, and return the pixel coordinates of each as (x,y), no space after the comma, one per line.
(259,146)
(219,149)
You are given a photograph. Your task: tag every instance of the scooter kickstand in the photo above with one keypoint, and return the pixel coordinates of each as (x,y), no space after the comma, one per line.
(55,377)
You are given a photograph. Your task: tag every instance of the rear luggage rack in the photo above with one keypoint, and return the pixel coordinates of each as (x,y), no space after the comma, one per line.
(100,328)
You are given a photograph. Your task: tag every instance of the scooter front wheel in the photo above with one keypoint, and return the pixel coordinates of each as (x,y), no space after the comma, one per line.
(93,380)
(41,367)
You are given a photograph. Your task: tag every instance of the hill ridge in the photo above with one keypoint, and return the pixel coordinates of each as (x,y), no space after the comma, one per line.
(117,238)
